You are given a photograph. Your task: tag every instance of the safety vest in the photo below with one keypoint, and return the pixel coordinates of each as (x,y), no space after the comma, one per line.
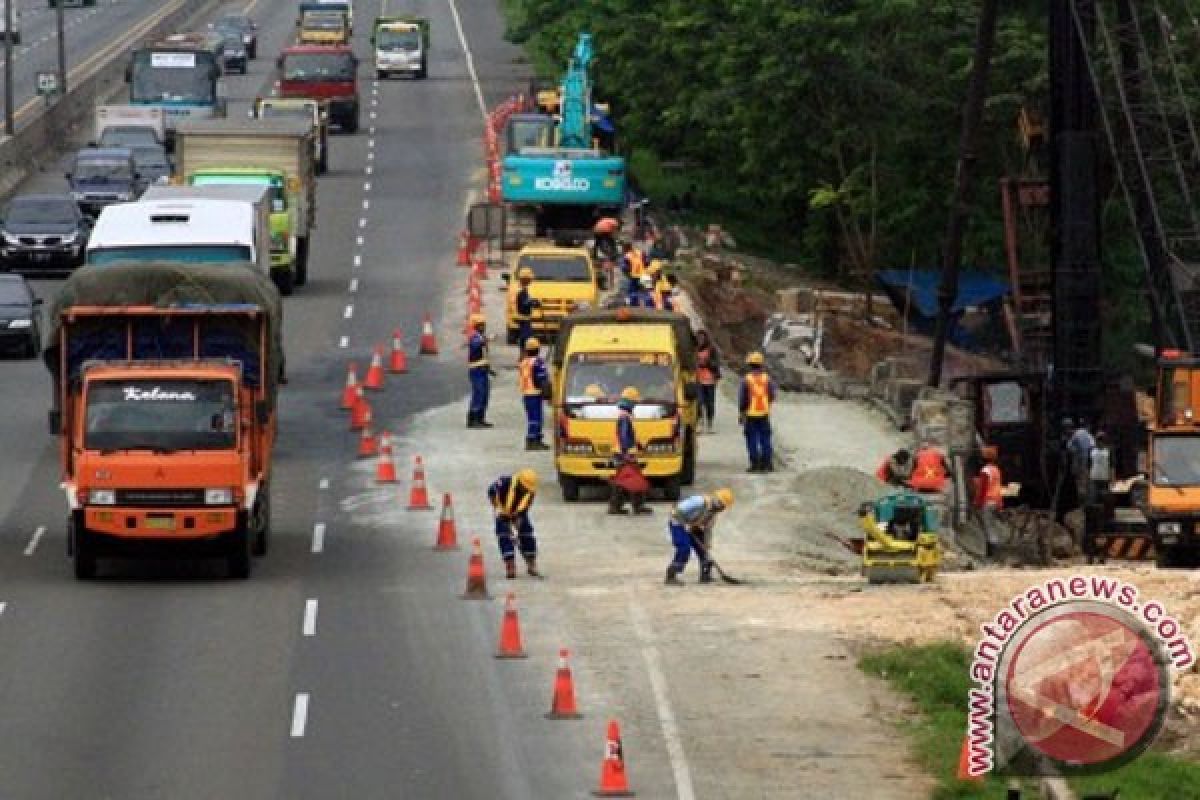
(525,371)
(704,371)
(477,355)
(929,472)
(758,394)
(517,499)
(637,264)
(992,492)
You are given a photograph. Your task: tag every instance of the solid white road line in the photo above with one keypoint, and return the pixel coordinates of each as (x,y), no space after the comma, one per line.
(666,717)
(318,543)
(462,39)
(344,342)
(33,541)
(324,484)
(349,312)
(299,715)
(310,617)
(353,285)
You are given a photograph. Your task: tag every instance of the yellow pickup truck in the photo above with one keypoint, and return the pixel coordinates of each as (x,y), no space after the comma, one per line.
(564,279)
(596,355)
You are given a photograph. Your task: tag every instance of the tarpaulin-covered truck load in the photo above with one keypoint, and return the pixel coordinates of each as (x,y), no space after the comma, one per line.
(165,391)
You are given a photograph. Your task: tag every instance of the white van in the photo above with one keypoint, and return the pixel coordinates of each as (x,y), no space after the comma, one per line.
(189,230)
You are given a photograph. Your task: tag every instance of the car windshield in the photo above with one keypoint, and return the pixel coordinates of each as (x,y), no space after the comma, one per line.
(557,268)
(408,41)
(318,67)
(1177,461)
(599,378)
(231,39)
(190,254)
(160,415)
(128,137)
(238,24)
(94,171)
(13,293)
(40,211)
(173,78)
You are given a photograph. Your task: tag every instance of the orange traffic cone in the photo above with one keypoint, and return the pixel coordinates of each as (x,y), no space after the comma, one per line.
(361,411)
(367,446)
(428,345)
(563,704)
(476,579)
(397,361)
(350,394)
(963,772)
(385,469)
(374,379)
(480,269)
(447,533)
(510,632)
(418,497)
(464,250)
(613,782)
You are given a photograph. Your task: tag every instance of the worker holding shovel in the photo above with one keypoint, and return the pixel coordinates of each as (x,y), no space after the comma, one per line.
(691,527)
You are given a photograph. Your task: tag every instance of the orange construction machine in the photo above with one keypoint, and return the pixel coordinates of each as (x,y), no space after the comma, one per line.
(166,411)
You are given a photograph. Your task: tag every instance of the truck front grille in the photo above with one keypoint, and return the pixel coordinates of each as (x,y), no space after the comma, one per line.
(160,497)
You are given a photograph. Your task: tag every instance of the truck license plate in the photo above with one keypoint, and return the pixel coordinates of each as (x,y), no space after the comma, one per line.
(160,523)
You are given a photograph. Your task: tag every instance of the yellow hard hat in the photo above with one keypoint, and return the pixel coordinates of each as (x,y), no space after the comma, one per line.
(755,359)
(532,343)
(656,266)
(724,497)
(477,320)
(527,478)
(524,272)
(631,393)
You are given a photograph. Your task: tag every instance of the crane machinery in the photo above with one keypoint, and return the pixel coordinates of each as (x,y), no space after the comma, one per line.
(558,171)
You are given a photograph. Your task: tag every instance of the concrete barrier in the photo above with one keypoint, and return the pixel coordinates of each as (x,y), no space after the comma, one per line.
(41,142)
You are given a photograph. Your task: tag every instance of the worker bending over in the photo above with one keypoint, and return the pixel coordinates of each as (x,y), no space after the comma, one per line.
(896,468)
(511,497)
(480,372)
(526,303)
(930,469)
(755,397)
(691,527)
(534,378)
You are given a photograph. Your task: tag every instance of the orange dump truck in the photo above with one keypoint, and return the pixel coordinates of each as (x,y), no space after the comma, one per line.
(165,381)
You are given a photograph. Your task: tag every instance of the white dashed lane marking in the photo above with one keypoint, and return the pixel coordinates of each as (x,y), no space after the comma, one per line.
(357,257)
(324,484)
(353,285)
(33,540)
(309,626)
(2,607)
(349,312)
(318,542)
(344,342)
(299,715)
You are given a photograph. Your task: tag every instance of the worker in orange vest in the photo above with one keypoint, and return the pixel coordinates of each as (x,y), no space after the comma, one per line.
(989,495)
(755,396)
(531,371)
(896,468)
(708,372)
(929,470)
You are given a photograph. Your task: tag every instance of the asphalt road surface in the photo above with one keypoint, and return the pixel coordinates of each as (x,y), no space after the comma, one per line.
(346,666)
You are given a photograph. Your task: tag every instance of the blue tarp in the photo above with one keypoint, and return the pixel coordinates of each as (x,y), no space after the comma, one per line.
(974,289)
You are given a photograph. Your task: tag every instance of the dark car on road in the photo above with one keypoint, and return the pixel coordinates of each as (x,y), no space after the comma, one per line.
(42,231)
(245,29)
(20,312)
(101,176)
(234,55)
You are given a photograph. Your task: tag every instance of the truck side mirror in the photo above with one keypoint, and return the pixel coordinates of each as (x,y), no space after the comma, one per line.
(54,422)
(262,412)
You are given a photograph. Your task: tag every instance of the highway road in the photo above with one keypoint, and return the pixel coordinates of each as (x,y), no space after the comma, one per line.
(346,666)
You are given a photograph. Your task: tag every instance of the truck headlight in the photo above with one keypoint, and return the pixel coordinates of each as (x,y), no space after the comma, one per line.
(660,447)
(218,497)
(247,38)
(20,323)
(10,239)
(102,497)
(1170,527)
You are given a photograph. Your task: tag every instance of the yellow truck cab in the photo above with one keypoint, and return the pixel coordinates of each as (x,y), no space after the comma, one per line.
(596,355)
(564,279)
(324,27)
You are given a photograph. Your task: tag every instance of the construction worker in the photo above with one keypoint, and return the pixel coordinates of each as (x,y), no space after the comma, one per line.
(755,396)
(708,372)
(625,450)
(511,497)
(633,266)
(604,234)
(989,496)
(534,378)
(930,469)
(480,373)
(691,527)
(896,469)
(1100,471)
(526,303)
(641,294)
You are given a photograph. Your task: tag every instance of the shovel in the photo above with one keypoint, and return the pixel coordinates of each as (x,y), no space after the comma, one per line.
(699,545)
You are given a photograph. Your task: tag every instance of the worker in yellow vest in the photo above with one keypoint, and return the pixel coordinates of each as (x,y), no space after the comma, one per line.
(533,376)
(755,396)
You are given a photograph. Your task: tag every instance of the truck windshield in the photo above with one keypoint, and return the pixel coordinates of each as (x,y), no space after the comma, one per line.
(188,254)
(599,378)
(394,41)
(322,21)
(557,268)
(318,67)
(160,415)
(276,193)
(173,78)
(1176,461)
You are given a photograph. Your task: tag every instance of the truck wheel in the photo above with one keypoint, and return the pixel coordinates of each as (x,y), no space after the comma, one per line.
(238,559)
(284,281)
(323,163)
(672,489)
(301,266)
(1165,558)
(424,71)
(84,550)
(351,123)
(380,75)
(260,522)
(570,488)
(252,51)
(688,476)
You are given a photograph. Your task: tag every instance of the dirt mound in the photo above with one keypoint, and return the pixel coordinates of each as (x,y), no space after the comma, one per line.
(852,347)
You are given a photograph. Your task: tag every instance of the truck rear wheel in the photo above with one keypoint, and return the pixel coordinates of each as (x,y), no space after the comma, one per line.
(301,265)
(260,522)
(689,458)
(238,559)
(83,550)
(672,488)
(350,123)
(284,281)
(570,488)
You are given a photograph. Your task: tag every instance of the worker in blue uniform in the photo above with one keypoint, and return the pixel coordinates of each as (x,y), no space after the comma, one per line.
(526,304)
(480,372)
(628,484)
(691,527)
(755,396)
(641,295)
(533,376)
(511,497)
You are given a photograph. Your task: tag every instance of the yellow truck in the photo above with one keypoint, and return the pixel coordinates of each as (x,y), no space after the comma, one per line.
(324,27)
(596,355)
(564,280)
